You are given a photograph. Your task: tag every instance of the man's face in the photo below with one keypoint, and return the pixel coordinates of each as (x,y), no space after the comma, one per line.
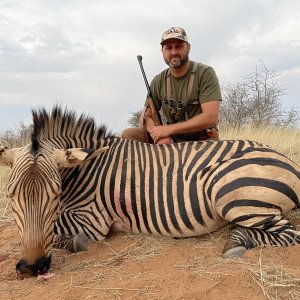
(175,53)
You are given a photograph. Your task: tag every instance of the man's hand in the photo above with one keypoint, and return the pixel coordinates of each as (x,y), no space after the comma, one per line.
(166,140)
(159,133)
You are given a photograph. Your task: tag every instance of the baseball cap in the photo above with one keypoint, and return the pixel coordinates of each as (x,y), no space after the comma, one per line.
(174,33)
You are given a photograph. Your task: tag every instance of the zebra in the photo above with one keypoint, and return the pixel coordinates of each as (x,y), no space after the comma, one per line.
(75,182)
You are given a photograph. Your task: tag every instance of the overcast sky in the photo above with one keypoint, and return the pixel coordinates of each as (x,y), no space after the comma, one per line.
(82,53)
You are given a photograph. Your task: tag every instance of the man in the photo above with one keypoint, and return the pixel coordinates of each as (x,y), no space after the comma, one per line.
(187,93)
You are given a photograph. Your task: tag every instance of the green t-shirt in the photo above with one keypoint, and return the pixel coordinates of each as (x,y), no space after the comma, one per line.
(205,88)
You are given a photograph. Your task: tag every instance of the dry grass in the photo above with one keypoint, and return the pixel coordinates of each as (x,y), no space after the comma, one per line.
(138,249)
(276,282)
(93,274)
(286,141)
(5,207)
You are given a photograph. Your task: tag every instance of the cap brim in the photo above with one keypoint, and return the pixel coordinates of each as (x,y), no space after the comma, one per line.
(173,38)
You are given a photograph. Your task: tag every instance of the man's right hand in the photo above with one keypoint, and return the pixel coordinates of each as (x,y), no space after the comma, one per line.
(149,124)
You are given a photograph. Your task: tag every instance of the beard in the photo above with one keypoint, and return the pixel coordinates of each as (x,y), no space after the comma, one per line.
(177,61)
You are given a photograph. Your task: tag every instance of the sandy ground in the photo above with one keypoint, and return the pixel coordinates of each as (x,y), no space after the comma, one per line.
(145,267)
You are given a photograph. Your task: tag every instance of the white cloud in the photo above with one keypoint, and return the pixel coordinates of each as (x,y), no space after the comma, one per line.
(83,53)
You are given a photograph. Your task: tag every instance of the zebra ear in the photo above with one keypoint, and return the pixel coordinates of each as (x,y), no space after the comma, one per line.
(8,155)
(69,158)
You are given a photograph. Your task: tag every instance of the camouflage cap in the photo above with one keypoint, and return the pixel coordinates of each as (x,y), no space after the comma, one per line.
(174,33)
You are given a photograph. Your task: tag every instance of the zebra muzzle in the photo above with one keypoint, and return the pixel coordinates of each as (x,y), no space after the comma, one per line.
(40,267)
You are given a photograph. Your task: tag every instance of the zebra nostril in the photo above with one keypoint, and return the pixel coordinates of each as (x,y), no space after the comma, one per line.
(23,268)
(20,265)
(40,267)
(43,264)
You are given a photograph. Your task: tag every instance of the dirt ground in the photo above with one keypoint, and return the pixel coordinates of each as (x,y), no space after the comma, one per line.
(145,267)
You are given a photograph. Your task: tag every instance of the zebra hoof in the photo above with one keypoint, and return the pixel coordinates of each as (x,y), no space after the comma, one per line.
(81,243)
(238,251)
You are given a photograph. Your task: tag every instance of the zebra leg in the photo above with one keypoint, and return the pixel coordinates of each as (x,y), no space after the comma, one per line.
(72,243)
(273,230)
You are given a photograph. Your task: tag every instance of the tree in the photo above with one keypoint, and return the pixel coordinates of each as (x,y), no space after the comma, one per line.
(235,108)
(256,100)
(18,137)
(134,119)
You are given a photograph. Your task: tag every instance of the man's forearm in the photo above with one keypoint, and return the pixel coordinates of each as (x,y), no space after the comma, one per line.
(207,119)
(149,123)
(195,124)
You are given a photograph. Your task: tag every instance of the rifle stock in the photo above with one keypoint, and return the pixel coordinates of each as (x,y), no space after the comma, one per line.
(154,114)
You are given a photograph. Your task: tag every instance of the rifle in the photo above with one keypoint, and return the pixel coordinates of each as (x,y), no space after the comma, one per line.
(153,110)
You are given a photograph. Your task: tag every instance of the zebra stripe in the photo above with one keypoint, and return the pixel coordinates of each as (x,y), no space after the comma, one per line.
(178,213)
(178,190)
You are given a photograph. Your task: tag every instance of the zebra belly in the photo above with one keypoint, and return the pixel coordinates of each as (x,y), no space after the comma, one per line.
(147,219)
(198,230)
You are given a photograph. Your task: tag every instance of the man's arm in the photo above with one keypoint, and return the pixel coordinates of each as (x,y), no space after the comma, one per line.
(207,119)
(149,123)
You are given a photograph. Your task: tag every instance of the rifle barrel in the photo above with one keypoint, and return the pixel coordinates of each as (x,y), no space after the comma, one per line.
(140,58)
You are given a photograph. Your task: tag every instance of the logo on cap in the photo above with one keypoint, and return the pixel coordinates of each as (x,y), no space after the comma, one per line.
(174,33)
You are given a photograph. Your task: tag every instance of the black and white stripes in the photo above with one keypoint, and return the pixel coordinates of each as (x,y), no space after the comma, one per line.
(89,181)
(188,189)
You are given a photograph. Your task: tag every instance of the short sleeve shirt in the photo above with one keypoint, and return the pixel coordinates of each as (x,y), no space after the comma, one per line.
(205,88)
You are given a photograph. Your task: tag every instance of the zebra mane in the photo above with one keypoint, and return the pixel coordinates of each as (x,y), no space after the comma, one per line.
(64,128)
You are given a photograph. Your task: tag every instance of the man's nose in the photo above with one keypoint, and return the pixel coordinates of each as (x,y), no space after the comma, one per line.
(174,51)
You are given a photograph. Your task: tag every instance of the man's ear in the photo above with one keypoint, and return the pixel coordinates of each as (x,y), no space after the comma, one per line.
(8,155)
(69,158)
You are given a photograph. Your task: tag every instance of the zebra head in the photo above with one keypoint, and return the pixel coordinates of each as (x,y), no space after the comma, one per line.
(34,188)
